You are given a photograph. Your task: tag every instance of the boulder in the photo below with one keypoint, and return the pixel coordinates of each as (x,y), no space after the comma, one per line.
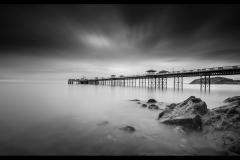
(221,126)
(128,128)
(144,105)
(151,101)
(187,113)
(231,99)
(153,106)
(103,123)
(134,100)
(172,106)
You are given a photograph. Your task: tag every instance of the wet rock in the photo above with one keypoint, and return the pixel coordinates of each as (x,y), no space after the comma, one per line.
(151,101)
(172,106)
(153,106)
(144,105)
(128,128)
(221,126)
(134,100)
(232,99)
(187,113)
(138,102)
(103,123)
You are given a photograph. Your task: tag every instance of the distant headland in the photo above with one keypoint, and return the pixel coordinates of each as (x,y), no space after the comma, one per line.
(218,80)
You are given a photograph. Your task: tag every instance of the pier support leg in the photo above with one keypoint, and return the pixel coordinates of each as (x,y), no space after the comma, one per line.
(162,83)
(178,82)
(174,82)
(155,82)
(200,82)
(209,81)
(166,82)
(205,81)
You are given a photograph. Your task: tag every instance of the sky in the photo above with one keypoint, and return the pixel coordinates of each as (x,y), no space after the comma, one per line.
(60,42)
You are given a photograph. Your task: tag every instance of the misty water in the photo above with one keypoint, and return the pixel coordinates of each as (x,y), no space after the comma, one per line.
(62,119)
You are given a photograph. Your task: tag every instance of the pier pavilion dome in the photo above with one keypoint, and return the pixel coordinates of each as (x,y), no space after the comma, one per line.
(96,77)
(113,76)
(151,71)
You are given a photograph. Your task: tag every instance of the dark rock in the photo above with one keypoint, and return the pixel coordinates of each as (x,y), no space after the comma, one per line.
(153,106)
(231,99)
(138,102)
(221,126)
(128,128)
(144,105)
(172,106)
(187,113)
(151,101)
(160,115)
(102,123)
(134,100)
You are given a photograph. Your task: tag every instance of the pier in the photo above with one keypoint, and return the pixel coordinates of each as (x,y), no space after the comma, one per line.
(159,79)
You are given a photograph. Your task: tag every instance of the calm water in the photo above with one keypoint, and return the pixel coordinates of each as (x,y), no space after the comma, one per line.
(62,119)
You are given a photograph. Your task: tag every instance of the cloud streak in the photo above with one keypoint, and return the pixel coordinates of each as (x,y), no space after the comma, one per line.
(93,40)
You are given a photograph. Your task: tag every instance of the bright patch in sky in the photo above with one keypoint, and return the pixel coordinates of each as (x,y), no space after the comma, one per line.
(97,41)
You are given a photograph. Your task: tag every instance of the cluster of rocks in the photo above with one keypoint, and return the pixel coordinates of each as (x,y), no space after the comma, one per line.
(220,125)
(150,104)
(128,129)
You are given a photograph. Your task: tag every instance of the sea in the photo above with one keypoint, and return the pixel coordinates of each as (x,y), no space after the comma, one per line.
(86,119)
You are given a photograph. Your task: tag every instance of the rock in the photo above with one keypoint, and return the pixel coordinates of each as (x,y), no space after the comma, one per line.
(187,113)
(138,102)
(172,106)
(221,126)
(102,123)
(128,128)
(231,99)
(153,106)
(134,100)
(151,101)
(144,105)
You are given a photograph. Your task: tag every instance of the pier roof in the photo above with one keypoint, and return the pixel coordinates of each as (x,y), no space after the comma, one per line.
(162,71)
(151,70)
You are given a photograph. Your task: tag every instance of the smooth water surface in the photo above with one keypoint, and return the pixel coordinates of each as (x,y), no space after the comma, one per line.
(62,119)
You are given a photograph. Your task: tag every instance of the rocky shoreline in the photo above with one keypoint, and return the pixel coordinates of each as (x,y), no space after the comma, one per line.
(220,126)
